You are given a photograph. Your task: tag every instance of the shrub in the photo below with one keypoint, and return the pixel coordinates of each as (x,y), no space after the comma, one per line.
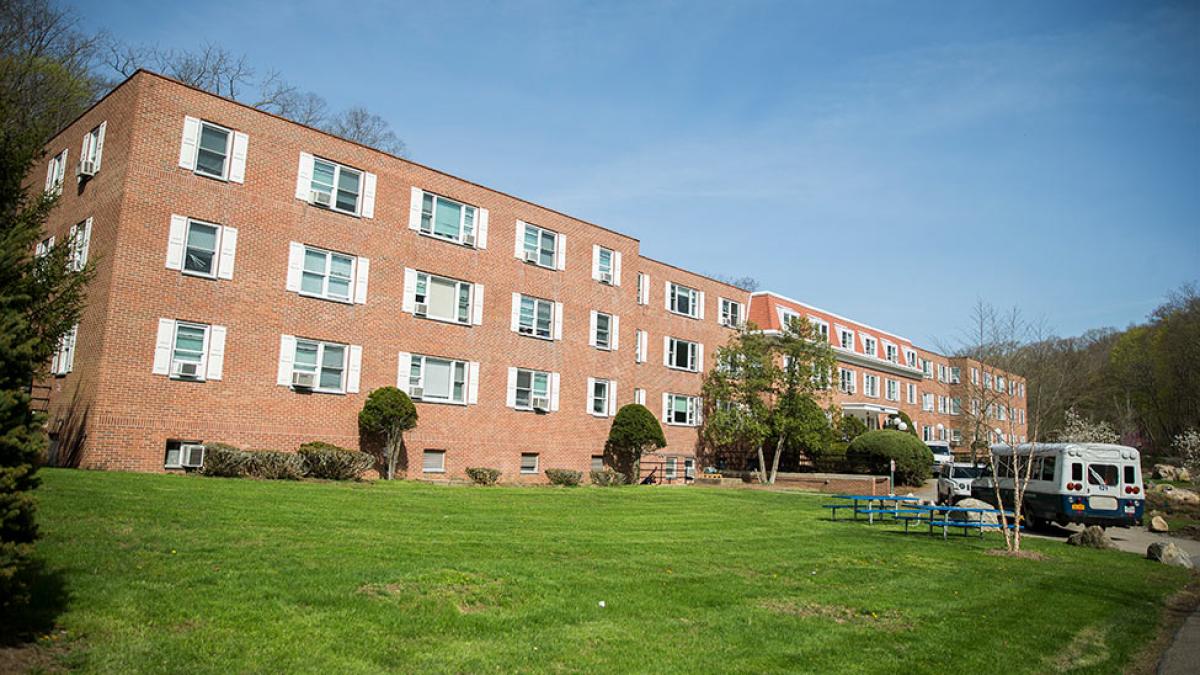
(564,476)
(850,428)
(331,462)
(483,475)
(224,460)
(871,452)
(831,459)
(607,477)
(635,431)
(387,414)
(275,465)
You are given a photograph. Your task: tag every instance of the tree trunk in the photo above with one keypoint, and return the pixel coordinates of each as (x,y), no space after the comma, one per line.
(775,461)
(762,466)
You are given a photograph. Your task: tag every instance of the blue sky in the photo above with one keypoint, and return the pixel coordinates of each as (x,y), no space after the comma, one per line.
(892,162)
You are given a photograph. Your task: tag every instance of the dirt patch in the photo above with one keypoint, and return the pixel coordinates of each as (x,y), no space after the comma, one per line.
(839,614)
(1176,610)
(1023,555)
(468,593)
(49,654)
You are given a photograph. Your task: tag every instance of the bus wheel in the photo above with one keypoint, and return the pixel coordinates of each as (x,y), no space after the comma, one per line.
(1032,522)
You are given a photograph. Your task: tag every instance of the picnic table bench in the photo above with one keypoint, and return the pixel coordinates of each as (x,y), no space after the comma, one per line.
(939,516)
(856,504)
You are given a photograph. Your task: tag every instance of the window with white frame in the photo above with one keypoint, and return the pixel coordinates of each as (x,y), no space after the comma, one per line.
(941,373)
(202,249)
(683,300)
(529,462)
(926,433)
(1002,413)
(683,354)
(955,406)
(974,375)
(821,378)
(911,393)
(892,392)
(927,368)
(820,326)
(910,358)
(189,350)
(731,313)
(639,396)
(536,317)
(326,274)
(786,317)
(891,353)
(191,347)
(64,357)
(55,172)
(336,186)
(603,330)
(870,346)
(941,433)
(540,246)
(846,338)
(871,385)
(436,380)
(324,361)
(974,406)
(532,390)
(941,404)
(955,375)
(447,219)
(176,456)
(927,402)
(213,150)
(599,397)
(1000,383)
(44,247)
(846,381)
(641,345)
(605,265)
(669,469)
(1021,390)
(433,461)
(80,238)
(443,298)
(643,288)
(956,436)
(681,410)
(91,152)
(987,380)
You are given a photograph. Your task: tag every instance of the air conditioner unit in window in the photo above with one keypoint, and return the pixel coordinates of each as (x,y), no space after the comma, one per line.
(187,370)
(321,198)
(525,330)
(541,403)
(191,455)
(606,278)
(468,239)
(421,309)
(87,167)
(304,380)
(416,392)
(531,256)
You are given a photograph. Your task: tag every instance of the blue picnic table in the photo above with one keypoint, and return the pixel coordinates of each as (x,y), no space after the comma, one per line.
(870,509)
(940,516)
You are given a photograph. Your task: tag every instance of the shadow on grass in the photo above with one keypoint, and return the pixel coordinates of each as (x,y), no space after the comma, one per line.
(26,618)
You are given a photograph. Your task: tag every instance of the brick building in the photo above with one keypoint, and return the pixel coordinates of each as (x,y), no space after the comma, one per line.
(256,278)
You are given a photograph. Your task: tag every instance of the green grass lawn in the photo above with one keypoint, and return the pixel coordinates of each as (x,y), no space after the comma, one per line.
(174,573)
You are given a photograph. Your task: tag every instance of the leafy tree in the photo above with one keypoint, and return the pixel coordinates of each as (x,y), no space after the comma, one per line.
(635,432)
(850,427)
(1081,430)
(388,413)
(874,450)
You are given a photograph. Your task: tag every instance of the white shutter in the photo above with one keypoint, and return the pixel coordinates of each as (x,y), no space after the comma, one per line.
(295,265)
(54,361)
(69,357)
(644,346)
(368,206)
(666,402)
(175,240)
(287,354)
(615,338)
(62,172)
(519,241)
(304,174)
(191,138)
(511,398)
(700,356)
(612,398)
(701,294)
(228,252)
(558,320)
(477,304)
(409,303)
(667,295)
(216,352)
(100,143)
(592,318)
(82,244)
(646,291)
(561,250)
(414,209)
(237,167)
(616,268)
(361,274)
(404,371)
(354,371)
(596,261)
(587,400)
(472,382)
(554,392)
(666,350)
(516,312)
(162,347)
(50,172)
(481,238)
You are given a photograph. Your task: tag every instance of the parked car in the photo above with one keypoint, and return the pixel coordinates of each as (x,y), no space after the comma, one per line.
(955,481)
(941,452)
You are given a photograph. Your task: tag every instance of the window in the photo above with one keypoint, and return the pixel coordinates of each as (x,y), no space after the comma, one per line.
(1048,466)
(80,239)
(927,402)
(188,350)
(682,354)
(212,152)
(447,219)
(1002,413)
(442,298)
(55,172)
(910,358)
(941,373)
(912,393)
(956,436)
(90,154)
(941,404)
(891,353)
(669,469)
(683,300)
(540,246)
(1021,390)
(731,313)
(639,396)
(846,381)
(987,380)
(846,338)
(535,317)
(175,455)
(642,340)
(64,357)
(870,346)
(326,361)
(597,462)
(821,379)
(1102,474)
(532,390)
(603,329)
(821,327)
(335,186)
(681,410)
(598,398)
(956,406)
(1130,479)
(689,468)
(604,265)
(529,462)
(643,288)
(926,433)
(44,247)
(871,385)
(327,274)
(955,375)
(434,461)
(1076,471)
(893,390)
(436,380)
(1000,383)
(191,341)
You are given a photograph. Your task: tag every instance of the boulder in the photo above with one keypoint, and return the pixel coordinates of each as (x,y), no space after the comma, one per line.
(1172,473)
(1091,537)
(1178,496)
(1167,553)
(970,503)
(1158,524)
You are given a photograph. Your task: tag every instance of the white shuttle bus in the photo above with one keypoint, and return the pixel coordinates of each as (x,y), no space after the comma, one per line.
(1088,483)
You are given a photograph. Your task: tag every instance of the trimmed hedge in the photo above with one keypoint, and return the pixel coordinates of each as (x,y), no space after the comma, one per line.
(332,462)
(564,476)
(871,452)
(831,459)
(607,477)
(224,461)
(483,475)
(275,465)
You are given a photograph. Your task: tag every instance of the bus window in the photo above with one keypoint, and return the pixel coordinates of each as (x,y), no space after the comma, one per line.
(1102,474)
(1048,468)
(1129,474)
(1076,471)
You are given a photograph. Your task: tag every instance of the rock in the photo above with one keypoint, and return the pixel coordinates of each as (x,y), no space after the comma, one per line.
(1167,553)
(1178,496)
(1091,537)
(1172,473)
(970,503)
(1158,524)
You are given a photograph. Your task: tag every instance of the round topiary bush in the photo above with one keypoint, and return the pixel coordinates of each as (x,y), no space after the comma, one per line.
(332,462)
(872,452)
